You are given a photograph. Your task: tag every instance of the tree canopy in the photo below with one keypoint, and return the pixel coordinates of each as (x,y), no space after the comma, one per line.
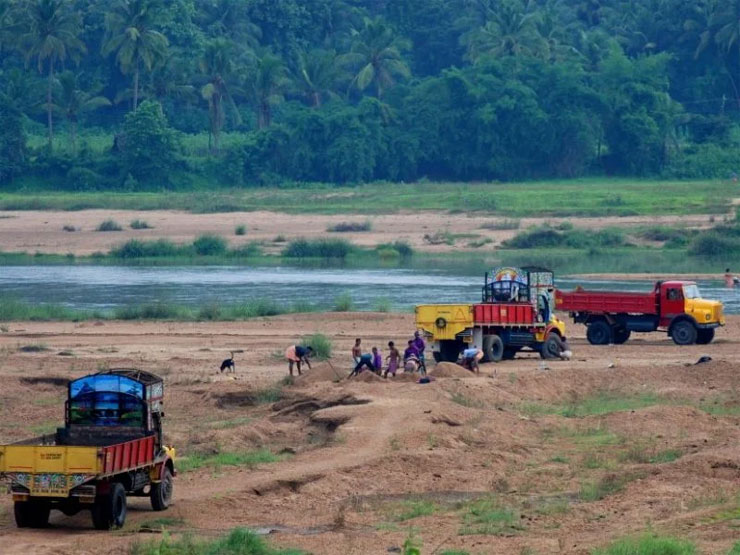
(248,92)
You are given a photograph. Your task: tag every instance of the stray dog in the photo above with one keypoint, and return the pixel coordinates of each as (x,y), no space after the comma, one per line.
(228,364)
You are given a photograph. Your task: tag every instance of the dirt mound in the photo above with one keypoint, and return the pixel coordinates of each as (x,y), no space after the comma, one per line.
(320,372)
(450,370)
(404,377)
(368,377)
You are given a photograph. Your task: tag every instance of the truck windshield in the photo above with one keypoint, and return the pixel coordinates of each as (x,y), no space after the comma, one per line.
(691,292)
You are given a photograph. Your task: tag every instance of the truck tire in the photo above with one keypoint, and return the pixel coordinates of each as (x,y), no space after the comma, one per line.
(493,348)
(599,333)
(552,347)
(109,511)
(684,332)
(31,514)
(704,336)
(161,494)
(621,335)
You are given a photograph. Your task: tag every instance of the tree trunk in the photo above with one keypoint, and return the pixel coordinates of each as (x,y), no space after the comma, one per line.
(73,123)
(49,117)
(316,99)
(136,86)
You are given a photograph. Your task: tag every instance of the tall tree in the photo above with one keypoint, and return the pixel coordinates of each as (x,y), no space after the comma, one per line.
(377,57)
(217,64)
(724,25)
(51,38)
(73,101)
(511,31)
(266,83)
(316,75)
(131,35)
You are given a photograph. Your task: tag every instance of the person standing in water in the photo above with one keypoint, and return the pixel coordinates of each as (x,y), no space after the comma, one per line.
(730,280)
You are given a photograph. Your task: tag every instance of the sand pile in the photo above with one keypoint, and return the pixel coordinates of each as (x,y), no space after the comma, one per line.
(367,377)
(320,372)
(450,370)
(404,377)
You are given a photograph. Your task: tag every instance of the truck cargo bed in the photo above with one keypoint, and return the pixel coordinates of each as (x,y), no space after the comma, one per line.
(606,302)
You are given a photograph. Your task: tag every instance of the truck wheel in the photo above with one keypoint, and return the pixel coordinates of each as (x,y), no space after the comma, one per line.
(161,494)
(109,511)
(552,347)
(599,333)
(31,514)
(705,336)
(493,348)
(684,333)
(621,336)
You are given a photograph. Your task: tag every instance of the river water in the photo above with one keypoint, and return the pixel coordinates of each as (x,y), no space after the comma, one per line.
(101,287)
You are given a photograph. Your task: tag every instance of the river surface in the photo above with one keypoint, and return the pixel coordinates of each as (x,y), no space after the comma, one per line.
(103,287)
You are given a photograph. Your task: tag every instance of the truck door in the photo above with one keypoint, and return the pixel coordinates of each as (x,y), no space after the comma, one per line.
(671,303)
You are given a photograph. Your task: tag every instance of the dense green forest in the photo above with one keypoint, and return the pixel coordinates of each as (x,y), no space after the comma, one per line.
(135,94)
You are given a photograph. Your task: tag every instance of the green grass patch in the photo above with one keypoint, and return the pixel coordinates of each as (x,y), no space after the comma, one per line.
(45,429)
(490,517)
(588,437)
(239,542)
(648,544)
(240,230)
(721,405)
(161,523)
(502,225)
(547,237)
(604,487)
(579,197)
(409,510)
(210,245)
(233,423)
(735,549)
(465,401)
(249,459)
(599,404)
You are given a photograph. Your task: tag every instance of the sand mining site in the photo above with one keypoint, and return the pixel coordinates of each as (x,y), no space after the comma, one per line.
(525,458)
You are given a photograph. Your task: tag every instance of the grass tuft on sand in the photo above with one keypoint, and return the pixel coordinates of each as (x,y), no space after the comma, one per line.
(249,459)
(239,542)
(648,544)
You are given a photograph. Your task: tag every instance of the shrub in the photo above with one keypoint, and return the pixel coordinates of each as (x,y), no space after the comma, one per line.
(241,229)
(319,248)
(713,243)
(246,251)
(210,245)
(108,225)
(401,248)
(321,345)
(148,145)
(84,179)
(151,311)
(140,224)
(239,542)
(346,227)
(146,249)
(69,228)
(501,225)
(344,303)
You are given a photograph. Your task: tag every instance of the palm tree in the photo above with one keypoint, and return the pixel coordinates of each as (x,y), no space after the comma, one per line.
(217,64)
(73,101)
(266,83)
(315,75)
(170,78)
(511,31)
(131,36)
(377,56)
(51,38)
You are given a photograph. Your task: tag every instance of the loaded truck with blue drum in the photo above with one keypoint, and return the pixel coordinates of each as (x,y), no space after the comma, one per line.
(516,313)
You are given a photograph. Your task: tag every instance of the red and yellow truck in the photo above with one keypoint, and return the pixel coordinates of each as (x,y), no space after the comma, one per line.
(111,446)
(673,306)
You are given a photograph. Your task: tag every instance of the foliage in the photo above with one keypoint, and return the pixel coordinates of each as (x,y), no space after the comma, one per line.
(321,344)
(548,237)
(210,245)
(109,225)
(490,517)
(344,303)
(347,227)
(318,248)
(351,91)
(241,229)
(239,542)
(249,459)
(648,544)
(139,224)
(149,147)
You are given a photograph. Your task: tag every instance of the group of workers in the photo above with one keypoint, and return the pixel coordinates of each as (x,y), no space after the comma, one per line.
(412,360)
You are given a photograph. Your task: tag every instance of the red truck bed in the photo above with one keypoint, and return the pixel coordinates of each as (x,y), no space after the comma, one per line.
(504,314)
(606,302)
(127,456)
